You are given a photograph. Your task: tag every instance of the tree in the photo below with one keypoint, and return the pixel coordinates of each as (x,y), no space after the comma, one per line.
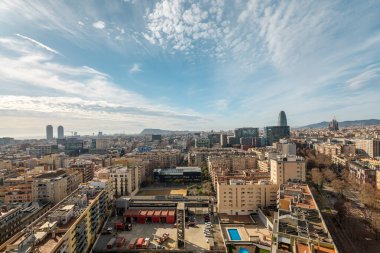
(231,247)
(341,209)
(316,177)
(367,195)
(338,185)
(329,174)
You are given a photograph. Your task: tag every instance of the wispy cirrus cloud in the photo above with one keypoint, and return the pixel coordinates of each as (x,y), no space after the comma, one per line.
(371,74)
(73,92)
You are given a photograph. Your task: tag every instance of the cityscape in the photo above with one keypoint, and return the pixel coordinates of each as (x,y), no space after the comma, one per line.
(189,126)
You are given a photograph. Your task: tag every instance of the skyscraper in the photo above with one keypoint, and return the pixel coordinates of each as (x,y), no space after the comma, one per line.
(49,132)
(61,134)
(282,119)
(275,133)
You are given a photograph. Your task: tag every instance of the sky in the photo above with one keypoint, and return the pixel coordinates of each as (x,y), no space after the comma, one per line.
(121,66)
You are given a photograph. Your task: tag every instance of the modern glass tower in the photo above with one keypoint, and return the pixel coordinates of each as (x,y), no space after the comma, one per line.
(61,134)
(282,119)
(49,132)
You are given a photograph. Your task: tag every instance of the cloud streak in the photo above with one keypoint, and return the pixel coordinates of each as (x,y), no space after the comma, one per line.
(39,44)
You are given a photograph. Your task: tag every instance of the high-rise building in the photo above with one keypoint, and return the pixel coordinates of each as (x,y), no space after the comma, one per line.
(333,125)
(49,132)
(284,168)
(369,147)
(61,134)
(282,119)
(275,133)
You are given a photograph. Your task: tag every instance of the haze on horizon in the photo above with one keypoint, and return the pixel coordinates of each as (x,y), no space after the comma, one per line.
(122,66)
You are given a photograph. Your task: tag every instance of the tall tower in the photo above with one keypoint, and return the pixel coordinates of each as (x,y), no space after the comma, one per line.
(282,119)
(49,132)
(61,134)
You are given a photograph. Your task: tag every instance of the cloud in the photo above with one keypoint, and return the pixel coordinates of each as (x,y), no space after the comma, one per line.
(370,75)
(179,24)
(99,24)
(135,68)
(220,104)
(39,44)
(71,92)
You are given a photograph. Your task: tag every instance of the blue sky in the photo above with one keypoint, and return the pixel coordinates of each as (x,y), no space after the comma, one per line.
(121,66)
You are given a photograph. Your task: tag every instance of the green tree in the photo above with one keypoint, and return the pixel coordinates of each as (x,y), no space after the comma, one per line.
(231,247)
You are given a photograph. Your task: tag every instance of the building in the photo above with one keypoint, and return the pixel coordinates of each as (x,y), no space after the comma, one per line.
(101,143)
(183,174)
(285,168)
(368,147)
(362,172)
(333,125)
(298,224)
(60,132)
(223,140)
(126,180)
(10,221)
(282,119)
(202,142)
(19,193)
(241,197)
(284,147)
(378,179)
(85,167)
(71,226)
(42,150)
(335,149)
(49,132)
(275,133)
(50,186)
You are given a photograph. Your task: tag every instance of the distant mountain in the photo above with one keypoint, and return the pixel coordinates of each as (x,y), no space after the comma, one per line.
(162,132)
(349,123)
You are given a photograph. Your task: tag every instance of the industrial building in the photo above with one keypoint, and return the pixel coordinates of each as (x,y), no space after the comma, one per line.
(185,174)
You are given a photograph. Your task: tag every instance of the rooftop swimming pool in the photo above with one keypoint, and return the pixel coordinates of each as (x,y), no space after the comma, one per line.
(234,234)
(243,250)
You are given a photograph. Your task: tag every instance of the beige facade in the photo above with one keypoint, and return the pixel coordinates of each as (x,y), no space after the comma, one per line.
(125,180)
(285,168)
(50,189)
(240,197)
(368,147)
(328,149)
(362,173)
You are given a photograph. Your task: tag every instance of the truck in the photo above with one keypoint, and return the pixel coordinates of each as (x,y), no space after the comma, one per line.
(110,243)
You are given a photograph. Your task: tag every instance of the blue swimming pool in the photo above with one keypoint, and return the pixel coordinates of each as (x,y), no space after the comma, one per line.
(243,250)
(234,234)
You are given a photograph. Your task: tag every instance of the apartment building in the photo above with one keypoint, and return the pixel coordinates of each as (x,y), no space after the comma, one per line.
(241,197)
(10,221)
(335,149)
(284,168)
(86,167)
(362,173)
(70,226)
(298,225)
(126,180)
(369,147)
(50,187)
(54,161)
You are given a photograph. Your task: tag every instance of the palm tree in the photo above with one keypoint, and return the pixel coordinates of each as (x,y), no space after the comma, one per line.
(231,247)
